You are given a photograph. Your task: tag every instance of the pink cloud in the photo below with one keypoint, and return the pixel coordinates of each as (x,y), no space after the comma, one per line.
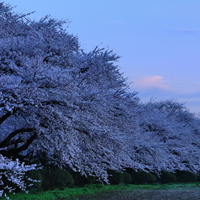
(153,82)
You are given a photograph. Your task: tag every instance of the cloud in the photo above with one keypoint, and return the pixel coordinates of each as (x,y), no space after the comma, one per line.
(184,30)
(157,88)
(150,83)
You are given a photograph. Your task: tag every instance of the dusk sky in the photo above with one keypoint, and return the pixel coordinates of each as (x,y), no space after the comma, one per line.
(158,41)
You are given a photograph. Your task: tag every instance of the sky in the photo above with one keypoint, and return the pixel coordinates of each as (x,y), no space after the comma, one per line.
(158,41)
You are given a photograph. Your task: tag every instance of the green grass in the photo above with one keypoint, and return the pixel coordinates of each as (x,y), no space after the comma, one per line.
(66,193)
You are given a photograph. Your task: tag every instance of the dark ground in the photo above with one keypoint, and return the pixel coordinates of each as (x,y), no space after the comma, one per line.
(144,195)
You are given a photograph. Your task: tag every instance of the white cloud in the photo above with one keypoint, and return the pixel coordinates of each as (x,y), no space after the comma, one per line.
(184,29)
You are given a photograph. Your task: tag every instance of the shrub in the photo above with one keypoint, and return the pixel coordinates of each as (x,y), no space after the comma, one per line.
(127,177)
(167,177)
(90,180)
(54,177)
(116,178)
(35,175)
(129,170)
(198,177)
(142,177)
(81,180)
(185,176)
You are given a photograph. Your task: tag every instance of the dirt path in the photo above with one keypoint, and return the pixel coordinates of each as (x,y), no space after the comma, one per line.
(145,195)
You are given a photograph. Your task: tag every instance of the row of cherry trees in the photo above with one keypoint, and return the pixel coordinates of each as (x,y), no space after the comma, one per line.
(61,104)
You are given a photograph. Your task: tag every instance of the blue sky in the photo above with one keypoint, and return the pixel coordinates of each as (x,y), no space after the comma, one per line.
(158,41)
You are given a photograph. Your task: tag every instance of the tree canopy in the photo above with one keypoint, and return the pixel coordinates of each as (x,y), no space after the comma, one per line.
(61,104)
(58,100)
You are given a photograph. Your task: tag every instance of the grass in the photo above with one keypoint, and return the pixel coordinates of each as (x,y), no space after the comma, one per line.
(67,193)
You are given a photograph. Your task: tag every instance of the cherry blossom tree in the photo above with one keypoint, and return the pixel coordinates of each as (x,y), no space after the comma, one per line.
(58,101)
(168,139)
(61,104)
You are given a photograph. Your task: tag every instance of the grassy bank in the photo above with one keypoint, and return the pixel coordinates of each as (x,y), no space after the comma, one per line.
(68,193)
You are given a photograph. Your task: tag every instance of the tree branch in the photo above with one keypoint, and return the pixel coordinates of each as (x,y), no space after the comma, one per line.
(14,151)
(5,143)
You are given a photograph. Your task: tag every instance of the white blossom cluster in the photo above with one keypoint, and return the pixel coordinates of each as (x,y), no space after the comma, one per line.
(14,172)
(73,107)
